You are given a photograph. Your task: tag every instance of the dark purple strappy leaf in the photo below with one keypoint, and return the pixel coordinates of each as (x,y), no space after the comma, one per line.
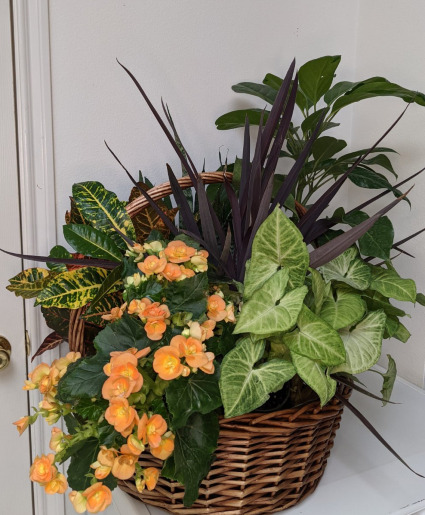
(359,389)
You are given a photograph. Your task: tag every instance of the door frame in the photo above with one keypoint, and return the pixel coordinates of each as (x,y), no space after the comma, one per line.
(37,185)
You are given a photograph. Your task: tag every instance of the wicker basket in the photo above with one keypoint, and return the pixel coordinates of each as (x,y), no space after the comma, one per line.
(264,463)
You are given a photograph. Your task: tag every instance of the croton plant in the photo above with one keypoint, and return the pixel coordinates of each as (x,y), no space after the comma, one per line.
(247,293)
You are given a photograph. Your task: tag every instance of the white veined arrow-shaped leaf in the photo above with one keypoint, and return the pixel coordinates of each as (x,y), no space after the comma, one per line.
(315,339)
(346,310)
(245,387)
(270,310)
(348,268)
(363,343)
(314,375)
(278,243)
(391,285)
(319,288)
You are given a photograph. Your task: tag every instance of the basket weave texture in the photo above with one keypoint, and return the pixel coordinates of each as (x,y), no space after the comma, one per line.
(264,463)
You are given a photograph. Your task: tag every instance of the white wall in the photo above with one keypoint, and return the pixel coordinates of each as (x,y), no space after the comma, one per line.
(190,53)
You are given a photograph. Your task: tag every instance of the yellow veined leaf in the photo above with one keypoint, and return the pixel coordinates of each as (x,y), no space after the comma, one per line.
(29,283)
(72,289)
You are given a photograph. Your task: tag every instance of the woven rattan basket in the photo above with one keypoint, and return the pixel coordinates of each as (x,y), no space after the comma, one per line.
(264,463)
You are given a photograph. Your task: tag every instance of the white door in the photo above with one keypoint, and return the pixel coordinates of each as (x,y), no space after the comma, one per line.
(16,495)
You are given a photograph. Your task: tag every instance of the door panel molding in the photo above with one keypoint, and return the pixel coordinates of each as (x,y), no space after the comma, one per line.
(37,185)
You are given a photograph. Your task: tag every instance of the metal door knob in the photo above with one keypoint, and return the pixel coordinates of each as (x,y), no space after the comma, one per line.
(5,352)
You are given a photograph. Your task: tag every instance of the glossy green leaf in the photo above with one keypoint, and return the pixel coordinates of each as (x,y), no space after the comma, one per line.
(315,339)
(198,393)
(91,242)
(80,464)
(112,283)
(194,447)
(58,252)
(245,386)
(29,283)
(309,123)
(391,285)
(348,268)
(368,178)
(314,375)
(72,289)
(315,77)
(188,295)
(346,310)
(389,378)
(278,243)
(236,119)
(262,91)
(420,299)
(402,334)
(102,209)
(326,147)
(363,343)
(270,309)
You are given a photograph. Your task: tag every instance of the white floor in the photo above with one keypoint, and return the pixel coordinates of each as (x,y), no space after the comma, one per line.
(362,477)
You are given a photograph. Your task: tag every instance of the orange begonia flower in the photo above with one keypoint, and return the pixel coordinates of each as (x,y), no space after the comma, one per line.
(191,349)
(207,328)
(121,415)
(136,306)
(186,272)
(117,386)
(152,265)
(167,363)
(208,368)
(58,439)
(165,448)
(133,446)
(40,371)
(22,424)
(42,470)
(98,496)
(78,501)
(171,272)
(60,365)
(200,261)
(151,430)
(155,329)
(58,485)
(131,356)
(115,314)
(151,477)
(216,308)
(105,460)
(178,252)
(124,466)
(230,310)
(156,312)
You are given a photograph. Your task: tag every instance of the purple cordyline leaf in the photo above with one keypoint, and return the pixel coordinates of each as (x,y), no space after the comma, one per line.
(319,228)
(182,202)
(236,218)
(151,201)
(307,221)
(285,121)
(375,433)
(216,223)
(288,184)
(205,216)
(100,263)
(338,245)
(254,189)
(408,238)
(355,386)
(276,111)
(128,240)
(192,172)
(246,160)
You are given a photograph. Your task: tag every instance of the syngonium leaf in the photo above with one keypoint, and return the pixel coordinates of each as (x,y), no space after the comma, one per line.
(278,243)
(245,386)
(102,209)
(362,343)
(375,300)
(344,310)
(271,309)
(198,393)
(85,378)
(391,285)
(349,269)
(389,378)
(315,339)
(91,242)
(29,283)
(315,376)
(319,288)
(72,289)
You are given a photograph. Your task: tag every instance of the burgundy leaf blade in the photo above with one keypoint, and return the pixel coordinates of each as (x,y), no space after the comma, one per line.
(50,342)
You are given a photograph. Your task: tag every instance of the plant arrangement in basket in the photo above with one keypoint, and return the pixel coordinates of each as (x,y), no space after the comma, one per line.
(249,302)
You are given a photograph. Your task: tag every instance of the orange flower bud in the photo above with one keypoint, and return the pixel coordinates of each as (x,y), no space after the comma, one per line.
(42,470)
(151,477)
(134,446)
(22,424)
(167,363)
(178,252)
(152,265)
(124,466)
(58,485)
(216,308)
(98,496)
(140,484)
(200,262)
(164,449)
(57,439)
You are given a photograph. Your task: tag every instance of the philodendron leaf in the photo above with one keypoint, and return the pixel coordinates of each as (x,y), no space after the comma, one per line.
(102,209)
(270,309)
(320,289)
(245,387)
(91,242)
(389,379)
(278,243)
(315,339)
(316,76)
(72,289)
(236,119)
(347,309)
(349,269)
(198,393)
(29,283)
(363,343)
(391,285)
(314,375)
